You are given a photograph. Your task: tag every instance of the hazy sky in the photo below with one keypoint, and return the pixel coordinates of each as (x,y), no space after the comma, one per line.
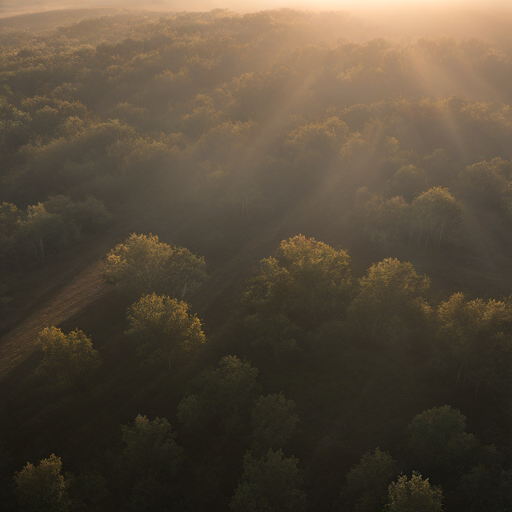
(380,11)
(351,5)
(256,5)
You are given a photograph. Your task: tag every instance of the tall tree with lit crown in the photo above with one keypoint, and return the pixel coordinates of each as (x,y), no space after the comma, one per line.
(146,265)
(163,329)
(306,280)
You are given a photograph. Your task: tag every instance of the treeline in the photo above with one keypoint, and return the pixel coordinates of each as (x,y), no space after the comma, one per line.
(46,227)
(306,330)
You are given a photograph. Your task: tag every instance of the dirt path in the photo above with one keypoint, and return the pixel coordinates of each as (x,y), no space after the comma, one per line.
(19,343)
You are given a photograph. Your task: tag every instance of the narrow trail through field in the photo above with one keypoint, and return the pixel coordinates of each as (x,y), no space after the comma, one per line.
(19,343)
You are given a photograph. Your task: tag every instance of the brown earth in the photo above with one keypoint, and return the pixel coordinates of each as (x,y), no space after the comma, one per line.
(19,343)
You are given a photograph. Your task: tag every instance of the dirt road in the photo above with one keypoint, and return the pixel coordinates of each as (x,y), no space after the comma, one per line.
(19,343)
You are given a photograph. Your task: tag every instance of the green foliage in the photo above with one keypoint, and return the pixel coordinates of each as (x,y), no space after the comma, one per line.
(147,265)
(436,216)
(478,335)
(149,463)
(486,486)
(488,184)
(41,232)
(306,280)
(389,302)
(314,146)
(46,227)
(42,488)
(438,444)
(164,330)
(384,222)
(10,223)
(151,447)
(68,359)
(89,492)
(415,495)
(273,422)
(89,215)
(271,483)
(226,396)
(368,482)
(272,332)
(9,219)
(409,182)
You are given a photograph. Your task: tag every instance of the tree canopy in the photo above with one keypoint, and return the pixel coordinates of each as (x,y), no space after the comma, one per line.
(306,280)
(164,330)
(389,301)
(147,265)
(68,359)
(271,483)
(438,442)
(368,482)
(226,396)
(43,487)
(414,494)
(151,447)
(273,422)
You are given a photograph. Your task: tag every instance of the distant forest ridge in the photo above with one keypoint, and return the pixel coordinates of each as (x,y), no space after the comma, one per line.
(485,21)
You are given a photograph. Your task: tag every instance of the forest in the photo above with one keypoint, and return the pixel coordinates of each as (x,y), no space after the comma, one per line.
(253,262)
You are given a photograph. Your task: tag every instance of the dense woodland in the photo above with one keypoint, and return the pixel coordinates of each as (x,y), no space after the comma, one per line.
(306,231)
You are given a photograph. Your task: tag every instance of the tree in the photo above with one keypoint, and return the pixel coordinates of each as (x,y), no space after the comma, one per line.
(409,181)
(382,221)
(10,224)
(436,216)
(486,486)
(414,495)
(368,481)
(149,462)
(88,215)
(90,489)
(163,329)
(389,302)
(487,184)
(477,334)
(10,218)
(275,333)
(147,265)
(437,443)
(271,483)
(273,422)
(225,398)
(42,488)
(151,447)
(306,280)
(68,358)
(42,232)
(314,147)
